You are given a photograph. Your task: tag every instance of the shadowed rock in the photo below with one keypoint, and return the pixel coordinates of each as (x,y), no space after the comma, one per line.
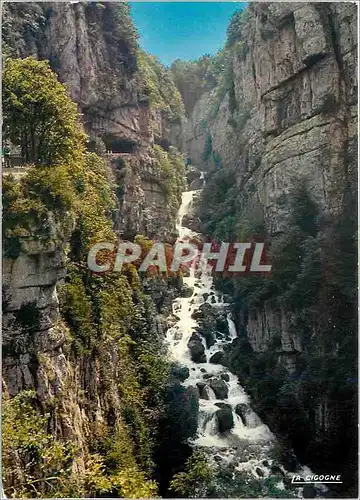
(217,358)
(225,419)
(219,387)
(180,372)
(243,410)
(186,291)
(196,348)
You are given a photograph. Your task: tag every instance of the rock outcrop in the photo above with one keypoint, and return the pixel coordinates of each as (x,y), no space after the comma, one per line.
(283,114)
(225,419)
(290,114)
(93,49)
(292,108)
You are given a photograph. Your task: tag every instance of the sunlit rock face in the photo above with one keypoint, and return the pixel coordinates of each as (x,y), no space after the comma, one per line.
(291,115)
(293,110)
(92,48)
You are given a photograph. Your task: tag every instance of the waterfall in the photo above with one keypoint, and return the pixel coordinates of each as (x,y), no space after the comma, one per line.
(247,431)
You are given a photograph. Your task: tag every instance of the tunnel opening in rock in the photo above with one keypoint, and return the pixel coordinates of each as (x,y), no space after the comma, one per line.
(118,144)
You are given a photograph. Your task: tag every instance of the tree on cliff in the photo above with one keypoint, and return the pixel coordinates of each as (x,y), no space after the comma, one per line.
(39,115)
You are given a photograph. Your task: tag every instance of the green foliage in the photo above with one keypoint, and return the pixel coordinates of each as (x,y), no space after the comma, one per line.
(213,73)
(76,308)
(35,205)
(192,78)
(236,25)
(110,322)
(158,85)
(232,483)
(207,148)
(21,215)
(94,207)
(19,22)
(38,465)
(123,29)
(43,204)
(35,464)
(203,480)
(39,115)
(218,208)
(28,317)
(194,482)
(107,314)
(313,287)
(171,174)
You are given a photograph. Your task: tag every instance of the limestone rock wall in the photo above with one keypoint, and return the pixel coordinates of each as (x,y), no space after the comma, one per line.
(292,115)
(295,109)
(93,53)
(92,47)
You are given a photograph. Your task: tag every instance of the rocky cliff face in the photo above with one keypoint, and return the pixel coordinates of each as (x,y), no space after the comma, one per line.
(290,113)
(283,113)
(80,383)
(93,49)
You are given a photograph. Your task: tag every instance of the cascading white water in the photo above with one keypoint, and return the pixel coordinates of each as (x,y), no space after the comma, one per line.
(248,434)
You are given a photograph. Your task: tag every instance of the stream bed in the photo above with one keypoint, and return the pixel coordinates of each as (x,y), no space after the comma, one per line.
(229,431)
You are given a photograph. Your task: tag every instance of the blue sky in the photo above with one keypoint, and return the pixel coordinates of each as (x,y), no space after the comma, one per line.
(185,30)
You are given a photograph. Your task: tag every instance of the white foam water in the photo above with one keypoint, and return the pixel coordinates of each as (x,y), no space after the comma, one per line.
(252,434)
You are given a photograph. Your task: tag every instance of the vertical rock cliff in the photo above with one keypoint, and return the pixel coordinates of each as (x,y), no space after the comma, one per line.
(287,106)
(93,49)
(84,366)
(89,393)
(277,135)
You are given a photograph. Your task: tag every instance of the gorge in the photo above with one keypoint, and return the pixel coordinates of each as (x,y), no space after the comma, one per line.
(181,384)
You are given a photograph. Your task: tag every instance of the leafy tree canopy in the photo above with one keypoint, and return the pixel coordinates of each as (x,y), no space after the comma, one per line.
(39,115)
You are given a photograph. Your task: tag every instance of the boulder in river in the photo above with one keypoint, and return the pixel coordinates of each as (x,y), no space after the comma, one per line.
(208,336)
(276,470)
(206,296)
(217,358)
(259,472)
(190,220)
(196,314)
(225,419)
(210,340)
(178,334)
(225,376)
(196,348)
(219,387)
(203,390)
(222,325)
(180,372)
(222,405)
(186,291)
(242,409)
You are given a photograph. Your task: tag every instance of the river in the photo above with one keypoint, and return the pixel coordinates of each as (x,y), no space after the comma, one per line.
(249,442)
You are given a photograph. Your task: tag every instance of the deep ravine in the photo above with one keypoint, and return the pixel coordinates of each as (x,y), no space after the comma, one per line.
(249,442)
